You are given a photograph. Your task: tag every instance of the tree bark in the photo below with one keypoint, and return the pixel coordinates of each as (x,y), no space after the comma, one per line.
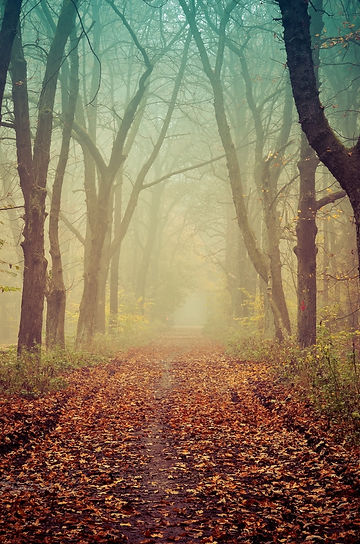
(56,292)
(305,249)
(343,162)
(7,35)
(306,229)
(32,168)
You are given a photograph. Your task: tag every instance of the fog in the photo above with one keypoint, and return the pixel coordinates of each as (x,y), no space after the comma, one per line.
(148,225)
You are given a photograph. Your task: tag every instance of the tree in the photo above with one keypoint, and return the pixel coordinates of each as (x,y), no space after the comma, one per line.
(213,74)
(55,292)
(33,161)
(100,200)
(7,35)
(343,162)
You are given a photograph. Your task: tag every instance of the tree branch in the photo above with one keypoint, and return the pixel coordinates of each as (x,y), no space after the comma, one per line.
(182,171)
(329,199)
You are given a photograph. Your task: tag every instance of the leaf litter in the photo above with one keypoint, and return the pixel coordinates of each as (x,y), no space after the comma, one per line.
(174,444)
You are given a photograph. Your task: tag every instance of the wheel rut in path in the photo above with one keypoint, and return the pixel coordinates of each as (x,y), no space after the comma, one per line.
(175,443)
(161,502)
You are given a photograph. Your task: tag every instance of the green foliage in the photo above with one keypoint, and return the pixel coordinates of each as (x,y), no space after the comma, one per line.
(33,376)
(331,372)
(327,374)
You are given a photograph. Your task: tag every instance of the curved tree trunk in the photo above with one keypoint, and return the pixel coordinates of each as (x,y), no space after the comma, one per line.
(257,257)
(343,162)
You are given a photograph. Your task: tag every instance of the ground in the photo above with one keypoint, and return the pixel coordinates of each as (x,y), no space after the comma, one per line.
(175,442)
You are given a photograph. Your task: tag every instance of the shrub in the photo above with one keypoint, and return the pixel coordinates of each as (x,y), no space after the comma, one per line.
(34,376)
(328,373)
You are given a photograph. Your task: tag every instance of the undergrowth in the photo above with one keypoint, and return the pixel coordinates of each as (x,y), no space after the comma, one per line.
(32,376)
(327,374)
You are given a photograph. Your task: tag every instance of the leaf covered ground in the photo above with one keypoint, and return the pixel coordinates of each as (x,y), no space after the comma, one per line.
(173,443)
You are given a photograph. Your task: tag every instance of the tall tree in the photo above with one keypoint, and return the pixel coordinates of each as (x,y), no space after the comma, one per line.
(213,74)
(343,162)
(7,35)
(33,162)
(55,292)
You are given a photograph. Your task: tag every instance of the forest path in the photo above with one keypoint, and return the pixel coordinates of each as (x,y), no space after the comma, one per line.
(174,443)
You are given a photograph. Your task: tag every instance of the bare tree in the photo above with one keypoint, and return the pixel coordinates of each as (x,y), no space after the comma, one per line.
(7,35)
(55,292)
(214,76)
(343,162)
(33,161)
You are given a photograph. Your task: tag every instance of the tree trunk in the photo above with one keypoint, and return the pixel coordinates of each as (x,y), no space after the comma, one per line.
(7,35)
(32,168)
(343,162)
(149,245)
(305,249)
(56,293)
(115,259)
(273,235)
(240,273)
(89,301)
(103,275)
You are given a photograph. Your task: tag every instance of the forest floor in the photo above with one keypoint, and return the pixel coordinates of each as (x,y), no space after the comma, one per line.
(174,442)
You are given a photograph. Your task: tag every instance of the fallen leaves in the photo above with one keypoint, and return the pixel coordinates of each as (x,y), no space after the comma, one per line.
(165,448)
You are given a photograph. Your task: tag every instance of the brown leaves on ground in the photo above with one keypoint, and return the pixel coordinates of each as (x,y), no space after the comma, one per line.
(172,445)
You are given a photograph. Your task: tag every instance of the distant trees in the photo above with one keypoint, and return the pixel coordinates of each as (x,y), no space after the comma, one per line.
(100,198)
(271,276)
(133,112)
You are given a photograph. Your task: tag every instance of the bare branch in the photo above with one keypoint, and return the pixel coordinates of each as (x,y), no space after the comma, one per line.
(329,199)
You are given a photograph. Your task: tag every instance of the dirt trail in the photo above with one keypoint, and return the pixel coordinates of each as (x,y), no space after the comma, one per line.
(174,443)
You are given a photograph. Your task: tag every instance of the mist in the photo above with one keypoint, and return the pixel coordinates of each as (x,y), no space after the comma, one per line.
(173,184)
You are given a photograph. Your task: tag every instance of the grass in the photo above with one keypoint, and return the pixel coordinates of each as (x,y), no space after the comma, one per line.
(32,376)
(327,374)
